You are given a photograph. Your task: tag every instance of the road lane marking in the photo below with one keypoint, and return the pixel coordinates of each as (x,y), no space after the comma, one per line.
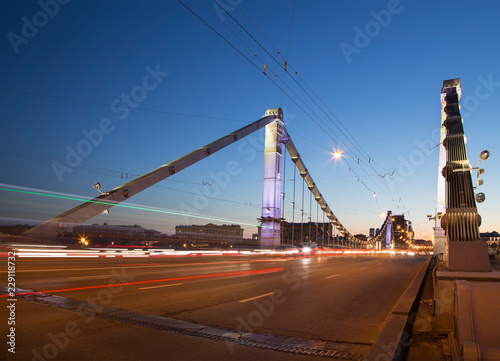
(332,276)
(379,264)
(256,297)
(170,284)
(90,277)
(362,267)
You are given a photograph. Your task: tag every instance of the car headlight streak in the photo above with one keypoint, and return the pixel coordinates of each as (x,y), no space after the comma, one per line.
(138,207)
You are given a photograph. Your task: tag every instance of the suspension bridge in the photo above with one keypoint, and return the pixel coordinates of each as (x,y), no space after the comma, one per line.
(240,314)
(271,220)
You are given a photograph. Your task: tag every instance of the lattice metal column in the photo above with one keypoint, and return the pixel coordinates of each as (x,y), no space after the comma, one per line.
(271,195)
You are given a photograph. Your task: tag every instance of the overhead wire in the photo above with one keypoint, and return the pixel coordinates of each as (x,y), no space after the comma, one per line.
(357,146)
(281,88)
(288,47)
(277,85)
(339,142)
(282,92)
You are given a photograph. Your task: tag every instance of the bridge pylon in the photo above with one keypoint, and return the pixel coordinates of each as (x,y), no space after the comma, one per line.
(270,232)
(388,231)
(439,233)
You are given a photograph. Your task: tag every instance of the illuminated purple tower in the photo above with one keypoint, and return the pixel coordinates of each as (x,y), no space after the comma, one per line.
(271,195)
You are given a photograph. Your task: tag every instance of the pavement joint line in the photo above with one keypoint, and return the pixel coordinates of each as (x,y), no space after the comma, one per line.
(220,334)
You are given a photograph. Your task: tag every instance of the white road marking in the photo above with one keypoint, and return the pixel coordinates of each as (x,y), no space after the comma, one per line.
(256,297)
(169,285)
(90,277)
(362,267)
(332,276)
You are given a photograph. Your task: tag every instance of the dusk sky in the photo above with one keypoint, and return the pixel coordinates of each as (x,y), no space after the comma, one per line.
(145,82)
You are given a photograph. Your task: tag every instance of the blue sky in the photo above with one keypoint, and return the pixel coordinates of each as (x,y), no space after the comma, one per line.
(377,65)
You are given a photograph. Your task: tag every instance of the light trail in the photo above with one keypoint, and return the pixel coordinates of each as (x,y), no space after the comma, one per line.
(242,273)
(137,207)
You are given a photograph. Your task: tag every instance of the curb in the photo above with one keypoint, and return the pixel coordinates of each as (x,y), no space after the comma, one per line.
(393,341)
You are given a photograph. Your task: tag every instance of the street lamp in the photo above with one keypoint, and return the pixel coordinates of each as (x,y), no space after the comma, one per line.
(337,154)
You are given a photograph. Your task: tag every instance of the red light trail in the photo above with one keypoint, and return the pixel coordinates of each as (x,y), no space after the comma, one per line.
(152,281)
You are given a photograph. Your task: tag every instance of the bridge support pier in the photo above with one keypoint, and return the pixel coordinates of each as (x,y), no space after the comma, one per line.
(270,231)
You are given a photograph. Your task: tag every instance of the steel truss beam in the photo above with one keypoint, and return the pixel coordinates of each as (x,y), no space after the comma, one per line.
(57,225)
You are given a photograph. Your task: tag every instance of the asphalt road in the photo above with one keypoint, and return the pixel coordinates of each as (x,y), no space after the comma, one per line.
(341,299)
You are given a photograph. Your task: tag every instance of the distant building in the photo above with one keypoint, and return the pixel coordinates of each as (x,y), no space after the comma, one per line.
(297,233)
(17,229)
(372,232)
(323,234)
(422,243)
(361,237)
(210,235)
(116,235)
(403,232)
(490,237)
